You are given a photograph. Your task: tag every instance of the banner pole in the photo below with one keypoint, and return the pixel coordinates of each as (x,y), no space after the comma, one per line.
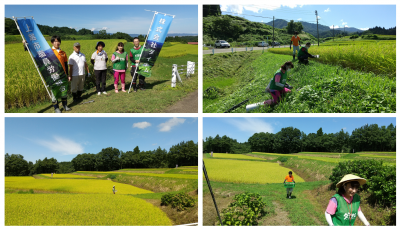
(144,46)
(27,47)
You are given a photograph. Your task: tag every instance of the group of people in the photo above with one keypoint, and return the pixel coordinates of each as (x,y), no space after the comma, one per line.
(302,52)
(76,67)
(277,86)
(343,207)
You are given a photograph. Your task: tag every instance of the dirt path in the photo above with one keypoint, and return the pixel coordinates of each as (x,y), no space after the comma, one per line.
(280,218)
(188,104)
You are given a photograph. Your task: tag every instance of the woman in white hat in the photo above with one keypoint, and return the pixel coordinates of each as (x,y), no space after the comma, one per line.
(344,206)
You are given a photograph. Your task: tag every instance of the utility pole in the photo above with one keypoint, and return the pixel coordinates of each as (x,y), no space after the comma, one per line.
(273,31)
(333,26)
(316,14)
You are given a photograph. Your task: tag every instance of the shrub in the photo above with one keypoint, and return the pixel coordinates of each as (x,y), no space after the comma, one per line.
(166,199)
(381,179)
(282,159)
(246,209)
(180,201)
(211,93)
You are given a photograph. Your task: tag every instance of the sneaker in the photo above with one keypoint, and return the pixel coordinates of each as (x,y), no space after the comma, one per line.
(57,110)
(98,93)
(134,89)
(290,197)
(104,92)
(287,195)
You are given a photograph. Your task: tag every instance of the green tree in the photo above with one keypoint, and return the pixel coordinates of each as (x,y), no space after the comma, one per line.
(16,165)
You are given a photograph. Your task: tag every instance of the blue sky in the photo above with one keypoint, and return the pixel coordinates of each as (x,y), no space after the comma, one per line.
(64,138)
(243,128)
(131,19)
(358,16)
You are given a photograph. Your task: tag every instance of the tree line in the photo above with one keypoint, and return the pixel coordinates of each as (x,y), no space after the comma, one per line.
(68,33)
(108,159)
(292,140)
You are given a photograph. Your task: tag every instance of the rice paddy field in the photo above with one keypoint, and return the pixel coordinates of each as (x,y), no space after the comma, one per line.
(81,210)
(86,198)
(232,156)
(249,172)
(231,174)
(66,176)
(378,57)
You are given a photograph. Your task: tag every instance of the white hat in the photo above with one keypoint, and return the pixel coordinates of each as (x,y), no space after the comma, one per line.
(350,177)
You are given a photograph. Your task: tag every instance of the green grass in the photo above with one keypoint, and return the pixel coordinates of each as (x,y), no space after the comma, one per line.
(158,95)
(318,88)
(299,208)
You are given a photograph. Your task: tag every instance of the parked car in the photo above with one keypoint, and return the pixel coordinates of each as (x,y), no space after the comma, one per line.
(262,44)
(222,44)
(275,43)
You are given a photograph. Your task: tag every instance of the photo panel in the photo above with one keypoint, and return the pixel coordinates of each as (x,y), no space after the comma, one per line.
(143,173)
(299,171)
(139,59)
(299,58)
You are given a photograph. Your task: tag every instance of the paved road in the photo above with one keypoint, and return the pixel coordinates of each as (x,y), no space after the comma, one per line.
(225,50)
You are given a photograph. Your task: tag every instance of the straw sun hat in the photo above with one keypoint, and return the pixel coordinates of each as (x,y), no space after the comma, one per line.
(351,177)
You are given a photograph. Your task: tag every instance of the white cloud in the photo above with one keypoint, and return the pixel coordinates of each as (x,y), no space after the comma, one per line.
(141,125)
(363,28)
(298,19)
(344,128)
(255,8)
(253,125)
(327,10)
(62,145)
(104,28)
(344,23)
(154,144)
(92,29)
(336,27)
(318,17)
(167,126)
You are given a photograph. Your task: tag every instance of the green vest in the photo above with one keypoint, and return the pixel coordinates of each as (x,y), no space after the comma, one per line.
(301,53)
(273,86)
(120,65)
(136,53)
(342,215)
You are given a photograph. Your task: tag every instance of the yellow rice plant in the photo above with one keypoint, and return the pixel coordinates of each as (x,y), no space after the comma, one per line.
(237,171)
(189,167)
(234,156)
(70,185)
(167,175)
(325,159)
(67,176)
(379,58)
(81,210)
(178,50)
(23,85)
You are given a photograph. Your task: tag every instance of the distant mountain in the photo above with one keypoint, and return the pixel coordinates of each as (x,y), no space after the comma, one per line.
(169,34)
(324,31)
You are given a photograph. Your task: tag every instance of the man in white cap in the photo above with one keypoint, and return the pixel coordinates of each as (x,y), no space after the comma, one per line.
(344,206)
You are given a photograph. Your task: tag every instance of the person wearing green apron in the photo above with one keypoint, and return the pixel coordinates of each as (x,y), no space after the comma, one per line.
(344,206)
